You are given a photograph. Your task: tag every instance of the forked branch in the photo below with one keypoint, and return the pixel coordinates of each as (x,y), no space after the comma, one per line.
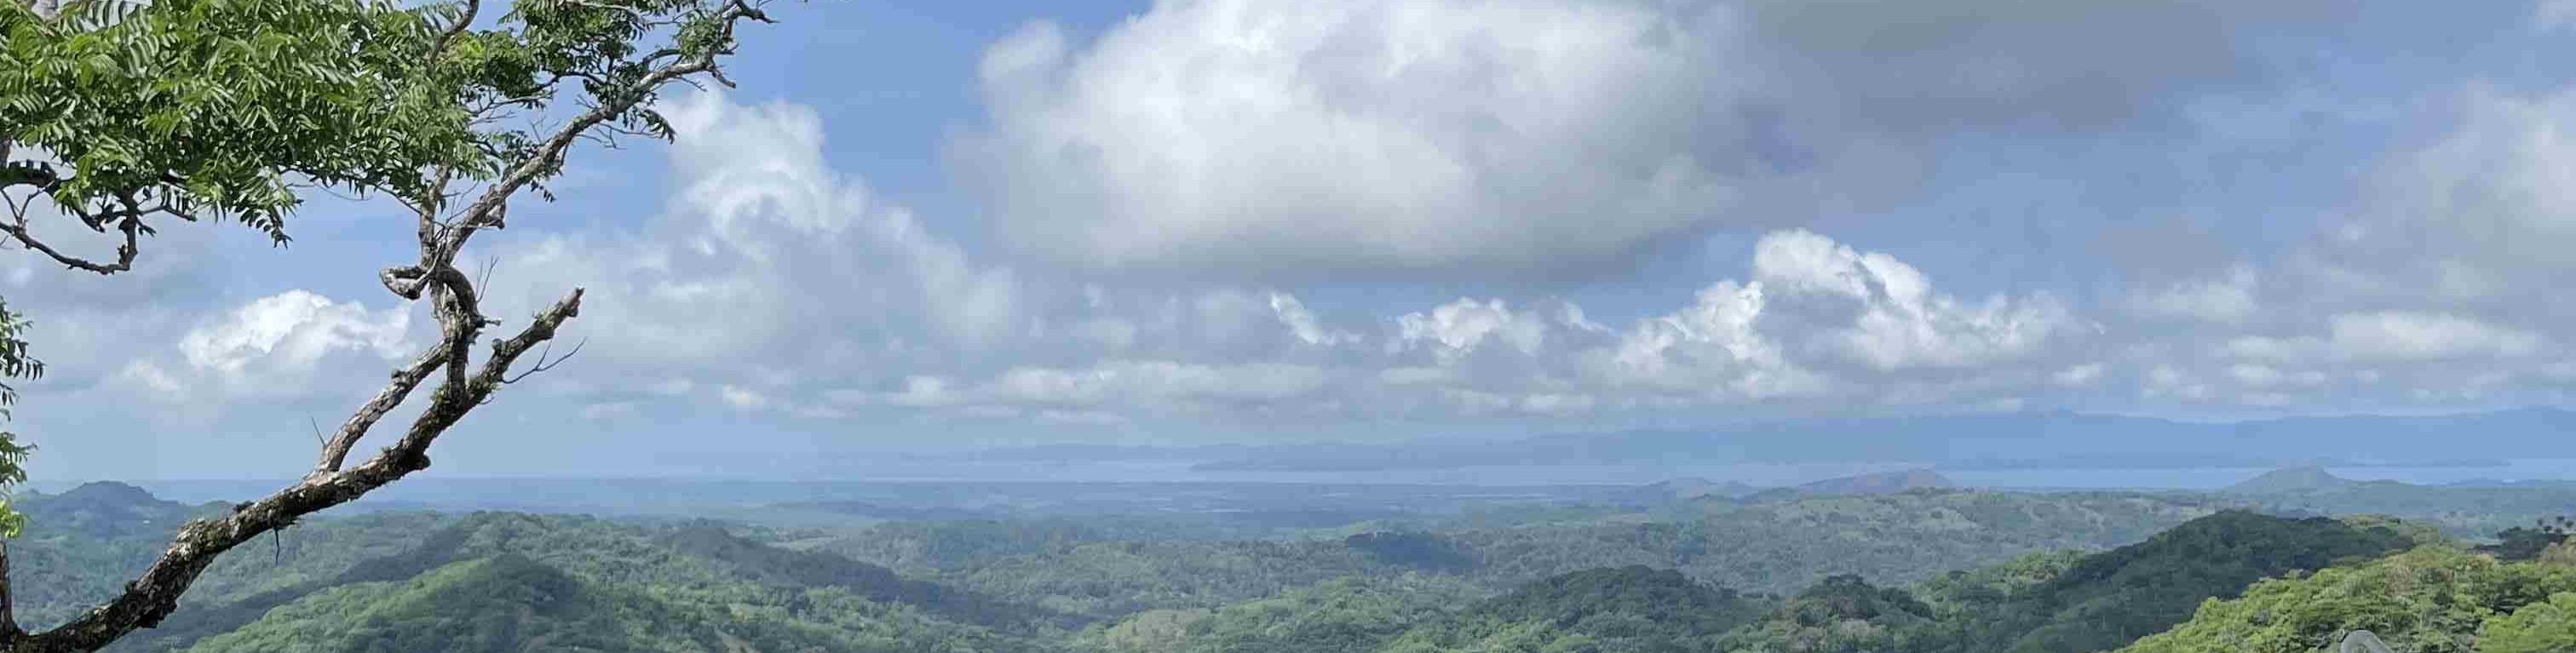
(456,302)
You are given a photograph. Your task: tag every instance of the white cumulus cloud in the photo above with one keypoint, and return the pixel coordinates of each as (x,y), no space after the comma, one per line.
(1901,321)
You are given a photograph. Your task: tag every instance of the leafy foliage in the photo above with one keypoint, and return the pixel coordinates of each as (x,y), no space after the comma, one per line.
(225,108)
(2105,600)
(1843,614)
(419,582)
(2432,599)
(1781,546)
(82,545)
(114,113)
(1629,609)
(815,569)
(1426,551)
(503,603)
(428,582)
(2544,627)
(2527,542)
(1348,615)
(15,363)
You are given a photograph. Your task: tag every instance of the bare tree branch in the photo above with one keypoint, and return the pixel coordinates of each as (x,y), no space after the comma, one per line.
(544,364)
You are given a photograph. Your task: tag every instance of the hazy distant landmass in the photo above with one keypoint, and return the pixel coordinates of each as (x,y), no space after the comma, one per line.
(1184,567)
(2029,449)
(2292,480)
(1879,483)
(2036,440)
(1682,489)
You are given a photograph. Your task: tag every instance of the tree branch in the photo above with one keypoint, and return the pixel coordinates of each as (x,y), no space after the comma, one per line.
(551,152)
(335,449)
(127,219)
(439,47)
(155,594)
(455,302)
(8,613)
(17,230)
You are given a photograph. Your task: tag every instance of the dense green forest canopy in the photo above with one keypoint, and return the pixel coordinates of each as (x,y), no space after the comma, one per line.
(497,581)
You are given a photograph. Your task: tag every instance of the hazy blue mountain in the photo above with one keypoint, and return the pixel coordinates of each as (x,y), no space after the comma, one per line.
(1976,441)
(1862,485)
(1880,483)
(106,510)
(1683,489)
(2292,479)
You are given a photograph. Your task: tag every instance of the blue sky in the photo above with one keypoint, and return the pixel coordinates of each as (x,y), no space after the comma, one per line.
(921,225)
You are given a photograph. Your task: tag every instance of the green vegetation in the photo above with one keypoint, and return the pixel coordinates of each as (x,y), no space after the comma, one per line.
(2043,602)
(2544,627)
(503,603)
(1418,550)
(2528,542)
(1626,609)
(508,582)
(2102,601)
(1348,615)
(1782,546)
(2433,599)
(2465,510)
(1777,547)
(1843,614)
(2229,580)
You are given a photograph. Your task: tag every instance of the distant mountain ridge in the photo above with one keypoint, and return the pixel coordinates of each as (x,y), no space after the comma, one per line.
(2291,479)
(1684,489)
(1863,485)
(1881,483)
(2024,440)
(106,510)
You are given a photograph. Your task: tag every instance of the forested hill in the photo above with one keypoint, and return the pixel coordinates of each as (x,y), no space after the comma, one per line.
(1623,609)
(1917,571)
(2060,602)
(2429,600)
(2105,600)
(432,583)
(1772,546)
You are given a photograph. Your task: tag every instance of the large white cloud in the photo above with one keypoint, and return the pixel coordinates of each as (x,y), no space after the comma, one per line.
(1900,322)
(765,255)
(1282,137)
(1393,135)
(1710,350)
(1458,327)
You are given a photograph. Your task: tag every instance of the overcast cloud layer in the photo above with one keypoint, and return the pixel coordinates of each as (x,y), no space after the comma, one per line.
(1234,220)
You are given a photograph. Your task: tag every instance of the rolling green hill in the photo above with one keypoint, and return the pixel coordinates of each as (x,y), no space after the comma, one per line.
(1633,609)
(502,603)
(2434,599)
(2104,600)
(2048,602)
(513,582)
(1919,571)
